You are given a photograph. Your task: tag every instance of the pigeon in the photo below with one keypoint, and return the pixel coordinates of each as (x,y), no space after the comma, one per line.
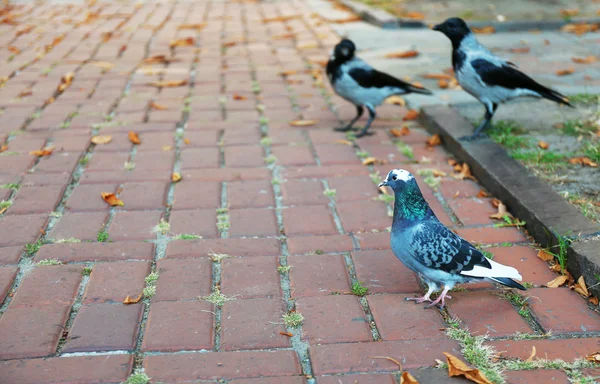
(362,85)
(427,247)
(488,78)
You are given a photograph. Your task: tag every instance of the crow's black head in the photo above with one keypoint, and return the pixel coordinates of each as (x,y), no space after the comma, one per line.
(344,50)
(455,28)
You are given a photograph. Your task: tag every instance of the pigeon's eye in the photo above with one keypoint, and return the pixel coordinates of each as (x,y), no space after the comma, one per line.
(394,177)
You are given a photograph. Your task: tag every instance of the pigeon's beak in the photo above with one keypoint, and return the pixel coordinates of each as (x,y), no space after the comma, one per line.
(384,183)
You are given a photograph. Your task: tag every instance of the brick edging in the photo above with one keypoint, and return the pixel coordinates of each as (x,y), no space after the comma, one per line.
(526,196)
(386,20)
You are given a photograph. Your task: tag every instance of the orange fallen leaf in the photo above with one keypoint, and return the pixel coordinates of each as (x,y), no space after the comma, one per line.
(111,199)
(482,194)
(3,148)
(397,100)
(25,93)
(43,152)
(583,161)
(520,50)
(593,300)
(197,27)
(565,72)
(532,355)
(584,60)
(414,15)
(412,114)
(484,30)
(101,139)
(188,41)
(395,361)
(349,19)
(403,54)
(501,214)
(452,162)
(437,76)
(168,84)
(134,137)
(438,173)
(495,202)
(302,123)
(543,145)
(186,141)
(407,378)
(288,72)
(65,82)
(159,59)
(284,36)
(580,28)
(128,300)
(555,283)
(286,334)
(580,287)
(464,173)
(176,177)
(239,97)
(157,107)
(404,131)
(280,18)
(14,49)
(545,255)
(373,160)
(569,12)
(457,367)
(434,140)
(345,142)
(443,84)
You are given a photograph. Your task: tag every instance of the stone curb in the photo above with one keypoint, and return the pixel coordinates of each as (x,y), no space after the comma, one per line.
(526,196)
(386,20)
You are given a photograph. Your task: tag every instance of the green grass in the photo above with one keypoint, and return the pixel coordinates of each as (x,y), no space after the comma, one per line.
(49,262)
(560,250)
(284,269)
(12,186)
(5,204)
(585,206)
(585,98)
(330,193)
(102,236)
(163,227)
(217,298)
(86,271)
(592,150)
(359,289)
(508,134)
(578,127)
(293,319)
(406,150)
(32,248)
(187,236)
(520,302)
(138,377)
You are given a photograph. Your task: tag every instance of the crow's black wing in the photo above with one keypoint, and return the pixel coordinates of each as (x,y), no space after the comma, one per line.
(372,78)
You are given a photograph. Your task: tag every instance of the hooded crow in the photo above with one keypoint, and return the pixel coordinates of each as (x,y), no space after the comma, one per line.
(488,78)
(359,83)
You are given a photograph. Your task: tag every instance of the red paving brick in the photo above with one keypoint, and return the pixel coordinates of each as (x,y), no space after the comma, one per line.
(553,376)
(179,325)
(222,155)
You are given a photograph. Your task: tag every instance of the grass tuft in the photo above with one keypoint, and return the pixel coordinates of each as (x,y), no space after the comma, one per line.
(49,262)
(293,319)
(32,248)
(358,289)
(137,377)
(217,298)
(163,227)
(284,269)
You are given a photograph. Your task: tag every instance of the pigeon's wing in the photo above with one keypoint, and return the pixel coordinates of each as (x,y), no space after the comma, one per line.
(368,77)
(435,246)
(507,76)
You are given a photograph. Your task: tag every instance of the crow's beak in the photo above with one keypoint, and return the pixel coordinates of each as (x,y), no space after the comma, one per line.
(384,183)
(437,27)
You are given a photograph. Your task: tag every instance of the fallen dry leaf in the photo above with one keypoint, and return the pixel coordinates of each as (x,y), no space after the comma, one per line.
(583,161)
(452,162)
(412,114)
(414,15)
(580,28)
(403,54)
(286,334)
(188,41)
(438,173)
(404,131)
(532,355)
(134,137)
(407,378)
(186,141)
(484,30)
(502,212)
(457,367)
(176,177)
(545,255)
(103,64)
(349,19)
(437,76)
(168,84)
(25,93)
(482,194)
(42,152)
(192,26)
(543,145)
(569,12)
(345,142)
(373,160)
(157,106)
(167,148)
(302,123)
(593,357)
(399,364)
(555,283)
(580,287)
(288,72)
(520,50)
(443,84)
(111,199)
(159,59)
(280,18)
(434,140)
(464,173)
(65,82)
(237,96)
(397,100)
(284,36)
(584,60)
(101,139)
(593,300)
(565,72)
(3,148)
(128,300)
(14,49)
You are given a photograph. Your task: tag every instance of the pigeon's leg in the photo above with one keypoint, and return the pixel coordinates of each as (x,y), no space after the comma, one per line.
(489,113)
(418,300)
(372,116)
(441,298)
(359,113)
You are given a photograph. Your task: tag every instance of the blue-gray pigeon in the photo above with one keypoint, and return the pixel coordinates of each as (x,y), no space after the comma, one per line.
(440,257)
(362,85)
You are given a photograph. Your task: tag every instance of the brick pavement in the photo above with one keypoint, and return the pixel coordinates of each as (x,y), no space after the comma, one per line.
(257,196)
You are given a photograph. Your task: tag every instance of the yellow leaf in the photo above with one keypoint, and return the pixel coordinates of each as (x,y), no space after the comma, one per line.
(186,140)
(134,137)
(307,45)
(484,30)
(414,15)
(182,42)
(43,152)
(545,255)
(65,82)
(397,100)
(434,140)
(404,131)
(157,107)
(192,26)
(438,173)
(437,76)
(302,123)
(101,139)
(349,19)
(407,378)
(176,177)
(168,84)
(111,199)
(103,64)
(581,288)
(443,84)
(128,300)
(543,145)
(464,172)
(502,212)
(159,59)
(565,72)
(584,60)
(457,367)
(342,141)
(560,280)
(166,148)
(402,55)
(3,148)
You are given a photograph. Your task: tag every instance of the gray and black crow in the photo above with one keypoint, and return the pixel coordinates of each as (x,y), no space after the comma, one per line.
(488,78)
(362,85)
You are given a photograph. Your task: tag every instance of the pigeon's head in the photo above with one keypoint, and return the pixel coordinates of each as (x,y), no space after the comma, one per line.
(398,180)
(455,28)
(344,50)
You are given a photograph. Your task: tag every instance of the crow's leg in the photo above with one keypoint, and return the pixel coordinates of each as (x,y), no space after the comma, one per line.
(418,300)
(359,112)
(489,113)
(372,116)
(441,298)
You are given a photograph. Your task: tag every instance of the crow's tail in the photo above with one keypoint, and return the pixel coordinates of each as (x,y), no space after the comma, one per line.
(508,282)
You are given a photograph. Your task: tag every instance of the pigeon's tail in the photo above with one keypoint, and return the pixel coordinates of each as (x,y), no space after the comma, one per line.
(553,95)
(416,89)
(508,282)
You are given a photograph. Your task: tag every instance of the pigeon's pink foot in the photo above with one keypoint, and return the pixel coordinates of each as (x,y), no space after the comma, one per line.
(441,298)
(418,300)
